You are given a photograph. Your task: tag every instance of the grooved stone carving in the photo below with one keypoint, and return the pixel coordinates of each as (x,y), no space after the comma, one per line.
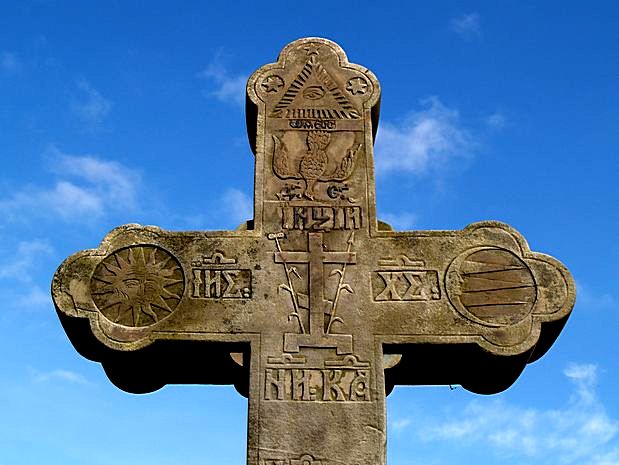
(137,286)
(314,309)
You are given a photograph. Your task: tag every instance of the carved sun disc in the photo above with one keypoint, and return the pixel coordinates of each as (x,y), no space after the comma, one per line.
(137,286)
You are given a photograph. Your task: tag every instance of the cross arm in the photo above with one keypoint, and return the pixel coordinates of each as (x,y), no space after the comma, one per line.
(473,307)
(146,298)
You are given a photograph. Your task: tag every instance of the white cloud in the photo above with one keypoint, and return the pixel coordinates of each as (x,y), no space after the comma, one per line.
(606,458)
(467,25)
(19,266)
(59,374)
(68,199)
(225,87)
(118,181)
(427,140)
(584,376)
(87,187)
(593,298)
(89,105)
(399,425)
(580,433)
(34,297)
(496,120)
(399,221)
(9,63)
(237,207)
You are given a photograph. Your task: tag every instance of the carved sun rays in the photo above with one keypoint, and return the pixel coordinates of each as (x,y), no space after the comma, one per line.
(137,286)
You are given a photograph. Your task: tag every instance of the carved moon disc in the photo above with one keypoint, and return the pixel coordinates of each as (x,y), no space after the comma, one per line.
(491,286)
(137,286)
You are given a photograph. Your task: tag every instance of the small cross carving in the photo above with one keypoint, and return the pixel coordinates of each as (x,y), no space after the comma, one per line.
(316,258)
(314,309)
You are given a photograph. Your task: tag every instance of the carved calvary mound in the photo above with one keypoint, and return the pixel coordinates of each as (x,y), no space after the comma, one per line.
(314,309)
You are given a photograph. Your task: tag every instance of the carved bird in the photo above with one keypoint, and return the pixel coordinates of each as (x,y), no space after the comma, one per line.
(314,162)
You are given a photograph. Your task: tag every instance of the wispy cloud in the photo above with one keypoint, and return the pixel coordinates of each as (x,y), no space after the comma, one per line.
(584,376)
(428,139)
(237,207)
(18,273)
(19,266)
(594,299)
(496,120)
(34,297)
(120,182)
(229,210)
(467,25)
(86,187)
(9,63)
(223,85)
(59,374)
(582,432)
(399,221)
(89,105)
(399,425)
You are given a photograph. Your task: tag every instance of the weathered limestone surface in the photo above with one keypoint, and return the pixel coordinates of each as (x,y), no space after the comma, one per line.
(314,309)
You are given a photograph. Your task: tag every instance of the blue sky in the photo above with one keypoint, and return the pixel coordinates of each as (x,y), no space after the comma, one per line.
(122,112)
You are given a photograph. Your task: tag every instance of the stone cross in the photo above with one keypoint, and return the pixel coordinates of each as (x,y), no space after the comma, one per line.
(315,309)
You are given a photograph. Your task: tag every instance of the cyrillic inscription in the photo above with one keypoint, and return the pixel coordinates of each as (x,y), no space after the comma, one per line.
(218,277)
(337,381)
(312,384)
(312,124)
(402,280)
(405,285)
(321,217)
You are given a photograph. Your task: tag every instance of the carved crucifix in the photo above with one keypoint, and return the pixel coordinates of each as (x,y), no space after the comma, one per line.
(315,309)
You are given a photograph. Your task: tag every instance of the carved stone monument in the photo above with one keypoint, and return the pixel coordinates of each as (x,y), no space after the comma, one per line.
(315,309)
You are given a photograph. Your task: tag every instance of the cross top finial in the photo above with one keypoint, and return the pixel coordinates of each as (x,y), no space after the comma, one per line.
(314,115)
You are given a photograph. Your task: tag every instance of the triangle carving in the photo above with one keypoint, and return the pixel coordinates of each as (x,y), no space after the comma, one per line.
(314,78)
